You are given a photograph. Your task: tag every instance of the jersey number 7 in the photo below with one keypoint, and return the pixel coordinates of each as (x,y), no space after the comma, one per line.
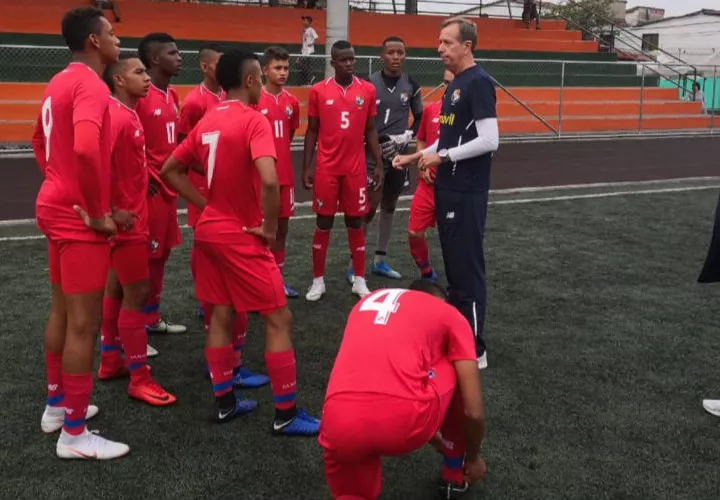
(211,139)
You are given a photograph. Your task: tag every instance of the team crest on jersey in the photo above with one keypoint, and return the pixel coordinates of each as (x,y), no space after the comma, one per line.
(455,97)
(404,98)
(154,245)
(359,101)
(289,111)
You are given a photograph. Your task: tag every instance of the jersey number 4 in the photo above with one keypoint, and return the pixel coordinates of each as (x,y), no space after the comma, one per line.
(211,139)
(383,303)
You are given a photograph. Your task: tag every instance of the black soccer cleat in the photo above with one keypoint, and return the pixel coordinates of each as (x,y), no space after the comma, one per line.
(452,491)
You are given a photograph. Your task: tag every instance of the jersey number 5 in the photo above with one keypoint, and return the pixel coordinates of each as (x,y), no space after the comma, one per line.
(47,124)
(383,303)
(345,120)
(211,139)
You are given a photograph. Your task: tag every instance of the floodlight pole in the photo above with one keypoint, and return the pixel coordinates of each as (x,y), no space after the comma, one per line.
(338,28)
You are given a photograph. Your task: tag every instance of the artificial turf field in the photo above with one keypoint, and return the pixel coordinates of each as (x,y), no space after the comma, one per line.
(601,348)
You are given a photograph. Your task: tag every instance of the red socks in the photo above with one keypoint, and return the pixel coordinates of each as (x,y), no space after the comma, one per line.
(77,397)
(131,326)
(109,336)
(281,369)
(53,369)
(356,242)
(279,257)
(420,254)
(453,435)
(239,334)
(157,276)
(320,243)
(220,361)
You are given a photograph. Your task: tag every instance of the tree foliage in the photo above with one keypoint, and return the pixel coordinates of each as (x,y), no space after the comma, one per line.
(590,14)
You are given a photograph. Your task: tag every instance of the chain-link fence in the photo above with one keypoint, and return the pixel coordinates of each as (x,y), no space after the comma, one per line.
(558,96)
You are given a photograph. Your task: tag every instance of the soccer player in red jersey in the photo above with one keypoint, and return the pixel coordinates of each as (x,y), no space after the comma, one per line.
(158,112)
(128,282)
(282,109)
(341,112)
(423,388)
(422,208)
(72,148)
(234,268)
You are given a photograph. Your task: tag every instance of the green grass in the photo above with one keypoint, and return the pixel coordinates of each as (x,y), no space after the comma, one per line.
(601,348)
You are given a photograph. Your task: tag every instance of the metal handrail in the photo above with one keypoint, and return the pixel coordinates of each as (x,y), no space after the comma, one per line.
(525,106)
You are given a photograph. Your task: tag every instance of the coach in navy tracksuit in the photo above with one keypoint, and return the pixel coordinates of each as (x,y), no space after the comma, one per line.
(463,155)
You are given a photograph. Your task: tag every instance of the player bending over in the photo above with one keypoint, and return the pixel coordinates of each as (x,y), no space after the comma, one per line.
(234,269)
(72,148)
(158,112)
(197,102)
(283,111)
(128,282)
(398,95)
(424,388)
(341,121)
(422,207)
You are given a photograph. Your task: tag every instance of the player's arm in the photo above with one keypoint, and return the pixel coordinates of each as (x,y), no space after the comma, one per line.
(89,106)
(38,145)
(311,136)
(190,114)
(484,113)
(262,148)
(175,171)
(295,121)
(416,106)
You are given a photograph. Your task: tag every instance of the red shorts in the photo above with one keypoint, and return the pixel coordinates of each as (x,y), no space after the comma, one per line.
(243,276)
(357,430)
(129,260)
(78,266)
(422,208)
(193,213)
(346,193)
(163,226)
(287,202)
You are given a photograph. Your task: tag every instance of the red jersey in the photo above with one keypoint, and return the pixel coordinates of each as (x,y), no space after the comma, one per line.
(158,112)
(129,169)
(429,130)
(395,341)
(196,103)
(74,95)
(227,141)
(283,112)
(343,114)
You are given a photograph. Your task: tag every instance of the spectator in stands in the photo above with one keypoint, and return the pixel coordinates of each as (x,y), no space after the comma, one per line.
(309,36)
(107,5)
(531,10)
(697,95)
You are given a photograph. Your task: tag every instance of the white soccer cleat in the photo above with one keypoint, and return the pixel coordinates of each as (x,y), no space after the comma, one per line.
(316,291)
(89,446)
(360,288)
(163,326)
(151,351)
(53,417)
(712,406)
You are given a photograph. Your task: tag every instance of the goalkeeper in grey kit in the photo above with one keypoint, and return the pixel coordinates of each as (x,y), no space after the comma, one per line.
(398,95)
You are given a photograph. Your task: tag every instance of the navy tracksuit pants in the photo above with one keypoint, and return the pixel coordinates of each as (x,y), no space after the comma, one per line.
(461,228)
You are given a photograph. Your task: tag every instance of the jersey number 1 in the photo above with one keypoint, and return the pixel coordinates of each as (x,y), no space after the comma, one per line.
(279,129)
(383,303)
(211,139)
(170,128)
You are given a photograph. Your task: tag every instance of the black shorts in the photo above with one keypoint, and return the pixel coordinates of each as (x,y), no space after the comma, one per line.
(393,180)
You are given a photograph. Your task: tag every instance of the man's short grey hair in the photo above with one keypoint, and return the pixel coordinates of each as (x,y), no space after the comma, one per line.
(467,28)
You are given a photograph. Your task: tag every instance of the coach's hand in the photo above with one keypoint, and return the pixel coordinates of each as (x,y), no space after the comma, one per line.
(264,233)
(103,225)
(308,178)
(429,160)
(475,470)
(124,218)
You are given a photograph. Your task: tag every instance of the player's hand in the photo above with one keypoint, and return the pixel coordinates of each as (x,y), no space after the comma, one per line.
(103,225)
(475,470)
(437,444)
(124,218)
(263,233)
(308,179)
(429,160)
(153,187)
(428,176)
(377,178)
(402,161)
